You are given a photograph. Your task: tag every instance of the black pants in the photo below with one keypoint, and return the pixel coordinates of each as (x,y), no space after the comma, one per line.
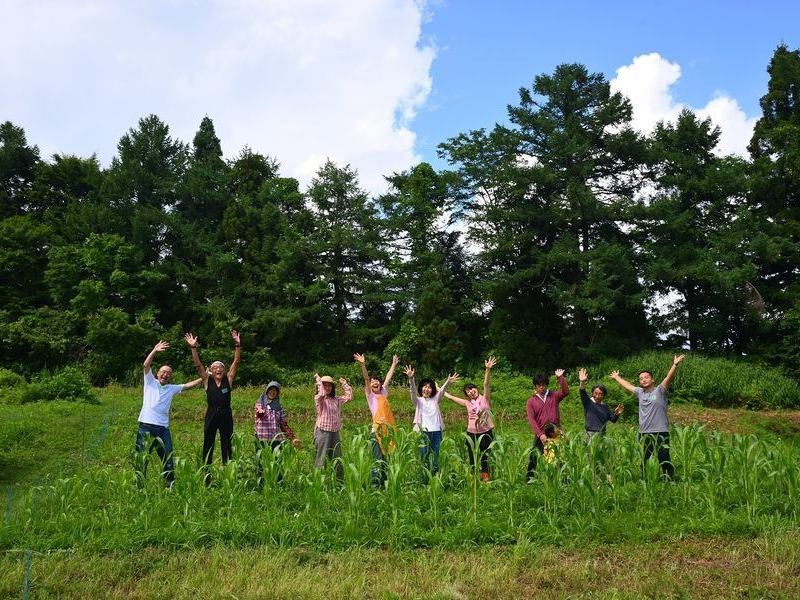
(481,442)
(659,443)
(217,419)
(261,445)
(533,459)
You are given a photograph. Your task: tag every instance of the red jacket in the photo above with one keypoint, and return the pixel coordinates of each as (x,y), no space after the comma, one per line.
(540,412)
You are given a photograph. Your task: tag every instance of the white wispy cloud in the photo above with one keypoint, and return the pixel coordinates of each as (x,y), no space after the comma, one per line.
(648,82)
(301,80)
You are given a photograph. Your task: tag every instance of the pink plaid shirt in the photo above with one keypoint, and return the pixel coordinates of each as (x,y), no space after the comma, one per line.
(329,408)
(271,424)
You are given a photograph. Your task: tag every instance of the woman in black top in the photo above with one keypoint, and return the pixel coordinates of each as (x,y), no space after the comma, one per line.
(596,411)
(218,383)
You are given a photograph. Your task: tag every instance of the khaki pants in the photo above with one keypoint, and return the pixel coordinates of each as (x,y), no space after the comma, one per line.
(328,445)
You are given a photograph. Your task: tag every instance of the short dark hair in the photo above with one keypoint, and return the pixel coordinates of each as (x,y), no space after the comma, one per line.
(602,388)
(540,379)
(549,429)
(470,386)
(430,382)
(645,371)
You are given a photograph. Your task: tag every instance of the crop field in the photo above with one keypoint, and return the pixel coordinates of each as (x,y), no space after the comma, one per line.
(591,524)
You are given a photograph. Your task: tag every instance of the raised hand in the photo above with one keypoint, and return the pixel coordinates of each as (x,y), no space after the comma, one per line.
(395,360)
(161,346)
(490,362)
(236,337)
(191,340)
(678,359)
(409,371)
(559,372)
(583,375)
(618,409)
(359,358)
(453,377)
(614,374)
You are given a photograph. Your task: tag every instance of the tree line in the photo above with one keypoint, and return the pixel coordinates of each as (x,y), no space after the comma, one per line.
(561,237)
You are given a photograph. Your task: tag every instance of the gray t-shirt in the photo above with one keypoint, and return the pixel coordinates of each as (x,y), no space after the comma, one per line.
(652,410)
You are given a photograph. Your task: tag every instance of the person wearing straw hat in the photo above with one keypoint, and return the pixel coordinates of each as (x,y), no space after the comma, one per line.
(327,441)
(154,417)
(218,383)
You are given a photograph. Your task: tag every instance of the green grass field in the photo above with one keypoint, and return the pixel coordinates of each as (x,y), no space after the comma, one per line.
(590,526)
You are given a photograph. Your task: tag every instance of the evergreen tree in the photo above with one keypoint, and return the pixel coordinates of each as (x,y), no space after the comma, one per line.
(430,278)
(693,231)
(349,244)
(17,164)
(551,193)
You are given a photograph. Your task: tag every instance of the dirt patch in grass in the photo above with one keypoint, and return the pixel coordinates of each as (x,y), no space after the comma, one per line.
(738,420)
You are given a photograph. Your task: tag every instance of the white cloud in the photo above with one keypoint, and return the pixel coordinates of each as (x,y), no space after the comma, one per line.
(301,80)
(647,82)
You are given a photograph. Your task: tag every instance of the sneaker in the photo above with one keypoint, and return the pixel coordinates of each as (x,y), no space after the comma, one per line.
(484,477)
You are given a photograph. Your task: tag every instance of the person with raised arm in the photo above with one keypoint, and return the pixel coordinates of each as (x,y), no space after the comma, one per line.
(543,408)
(154,417)
(271,426)
(428,418)
(595,411)
(653,422)
(327,441)
(383,423)
(218,382)
(480,427)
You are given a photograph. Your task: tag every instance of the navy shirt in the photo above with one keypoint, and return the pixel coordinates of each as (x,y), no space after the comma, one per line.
(597,415)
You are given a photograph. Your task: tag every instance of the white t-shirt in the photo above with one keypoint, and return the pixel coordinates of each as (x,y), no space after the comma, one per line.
(156,400)
(429,414)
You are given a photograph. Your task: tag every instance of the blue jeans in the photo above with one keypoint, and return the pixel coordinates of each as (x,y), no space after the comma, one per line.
(429,453)
(159,437)
(378,472)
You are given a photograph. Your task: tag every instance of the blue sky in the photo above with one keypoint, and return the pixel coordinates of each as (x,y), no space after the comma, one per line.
(376,84)
(487,50)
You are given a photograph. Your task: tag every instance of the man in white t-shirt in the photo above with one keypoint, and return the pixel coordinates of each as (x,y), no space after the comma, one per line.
(154,416)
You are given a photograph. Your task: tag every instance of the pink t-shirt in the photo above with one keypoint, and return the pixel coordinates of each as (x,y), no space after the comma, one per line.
(479,418)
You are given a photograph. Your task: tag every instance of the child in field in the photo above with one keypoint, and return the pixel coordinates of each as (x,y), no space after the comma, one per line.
(553,439)
(383,423)
(596,412)
(428,418)
(329,421)
(271,426)
(480,427)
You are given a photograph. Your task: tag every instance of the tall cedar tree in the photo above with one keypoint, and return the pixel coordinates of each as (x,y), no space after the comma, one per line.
(430,278)
(350,248)
(552,192)
(775,200)
(693,232)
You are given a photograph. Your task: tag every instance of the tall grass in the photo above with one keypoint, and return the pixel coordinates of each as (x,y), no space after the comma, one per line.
(596,492)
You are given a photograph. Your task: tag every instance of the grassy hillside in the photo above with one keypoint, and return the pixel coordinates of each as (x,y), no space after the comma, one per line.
(589,525)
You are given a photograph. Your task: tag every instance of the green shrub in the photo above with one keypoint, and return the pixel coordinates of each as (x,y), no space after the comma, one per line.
(70,383)
(10,379)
